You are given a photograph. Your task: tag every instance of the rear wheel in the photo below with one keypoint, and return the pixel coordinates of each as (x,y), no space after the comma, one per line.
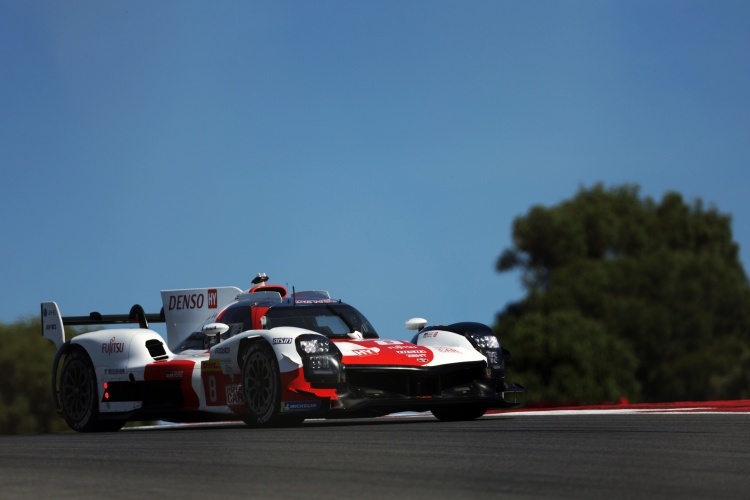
(459,412)
(261,385)
(79,398)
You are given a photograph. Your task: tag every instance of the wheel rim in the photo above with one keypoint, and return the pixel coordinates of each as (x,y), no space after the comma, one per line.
(76,390)
(260,383)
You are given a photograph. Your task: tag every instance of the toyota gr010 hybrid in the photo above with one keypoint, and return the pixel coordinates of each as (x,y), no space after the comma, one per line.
(268,358)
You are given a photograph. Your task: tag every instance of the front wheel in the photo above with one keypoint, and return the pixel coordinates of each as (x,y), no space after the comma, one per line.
(261,385)
(79,397)
(457,413)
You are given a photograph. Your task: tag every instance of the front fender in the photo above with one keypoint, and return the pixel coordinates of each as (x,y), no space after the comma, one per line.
(448,347)
(230,353)
(444,338)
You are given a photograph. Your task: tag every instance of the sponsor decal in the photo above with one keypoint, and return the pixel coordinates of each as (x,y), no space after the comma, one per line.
(427,335)
(234,395)
(300,405)
(285,340)
(114,371)
(452,350)
(222,350)
(113,347)
(213,298)
(51,312)
(212,365)
(385,351)
(187,301)
(408,351)
(365,352)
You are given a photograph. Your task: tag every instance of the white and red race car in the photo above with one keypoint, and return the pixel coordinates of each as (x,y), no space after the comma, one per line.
(268,358)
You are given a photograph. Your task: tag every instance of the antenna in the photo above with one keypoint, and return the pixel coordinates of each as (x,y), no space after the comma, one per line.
(294,299)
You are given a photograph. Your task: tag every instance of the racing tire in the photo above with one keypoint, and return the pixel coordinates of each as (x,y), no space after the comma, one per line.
(458,412)
(261,385)
(79,398)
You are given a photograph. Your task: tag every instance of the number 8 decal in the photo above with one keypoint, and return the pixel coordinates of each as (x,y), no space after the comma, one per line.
(212,388)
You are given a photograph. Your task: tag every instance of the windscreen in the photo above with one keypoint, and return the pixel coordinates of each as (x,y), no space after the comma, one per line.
(328,319)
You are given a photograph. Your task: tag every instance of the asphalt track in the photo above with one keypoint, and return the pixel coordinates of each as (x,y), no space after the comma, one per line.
(579,454)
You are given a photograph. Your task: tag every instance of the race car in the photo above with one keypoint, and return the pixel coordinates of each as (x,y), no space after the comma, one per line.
(266,357)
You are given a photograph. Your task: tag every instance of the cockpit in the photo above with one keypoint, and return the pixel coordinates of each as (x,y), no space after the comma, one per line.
(309,310)
(334,319)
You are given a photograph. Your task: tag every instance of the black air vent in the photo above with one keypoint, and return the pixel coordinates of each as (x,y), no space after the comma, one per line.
(156,349)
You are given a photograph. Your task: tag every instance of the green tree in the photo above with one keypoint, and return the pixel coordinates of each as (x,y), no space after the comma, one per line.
(25,390)
(662,280)
(564,356)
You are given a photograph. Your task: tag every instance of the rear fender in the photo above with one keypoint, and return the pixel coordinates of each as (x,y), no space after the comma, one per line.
(68,348)
(119,355)
(120,348)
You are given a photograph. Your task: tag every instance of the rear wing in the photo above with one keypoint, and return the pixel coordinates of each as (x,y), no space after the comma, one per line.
(53,323)
(184,311)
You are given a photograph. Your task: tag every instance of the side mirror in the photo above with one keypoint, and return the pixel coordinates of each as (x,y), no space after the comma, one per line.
(416,324)
(213,333)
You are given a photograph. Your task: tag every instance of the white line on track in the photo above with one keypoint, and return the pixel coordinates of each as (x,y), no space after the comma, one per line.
(650,411)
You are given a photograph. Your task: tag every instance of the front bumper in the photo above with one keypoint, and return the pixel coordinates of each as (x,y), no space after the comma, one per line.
(376,391)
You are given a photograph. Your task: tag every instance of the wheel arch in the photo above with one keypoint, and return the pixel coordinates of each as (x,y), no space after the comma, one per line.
(262,391)
(65,349)
(90,420)
(245,345)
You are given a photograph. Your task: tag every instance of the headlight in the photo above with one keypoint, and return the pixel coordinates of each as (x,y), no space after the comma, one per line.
(485,341)
(321,360)
(488,344)
(318,345)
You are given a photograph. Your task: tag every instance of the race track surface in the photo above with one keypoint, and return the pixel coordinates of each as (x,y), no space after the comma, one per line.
(560,454)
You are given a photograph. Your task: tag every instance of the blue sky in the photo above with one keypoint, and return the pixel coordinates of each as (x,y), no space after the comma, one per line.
(380,150)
